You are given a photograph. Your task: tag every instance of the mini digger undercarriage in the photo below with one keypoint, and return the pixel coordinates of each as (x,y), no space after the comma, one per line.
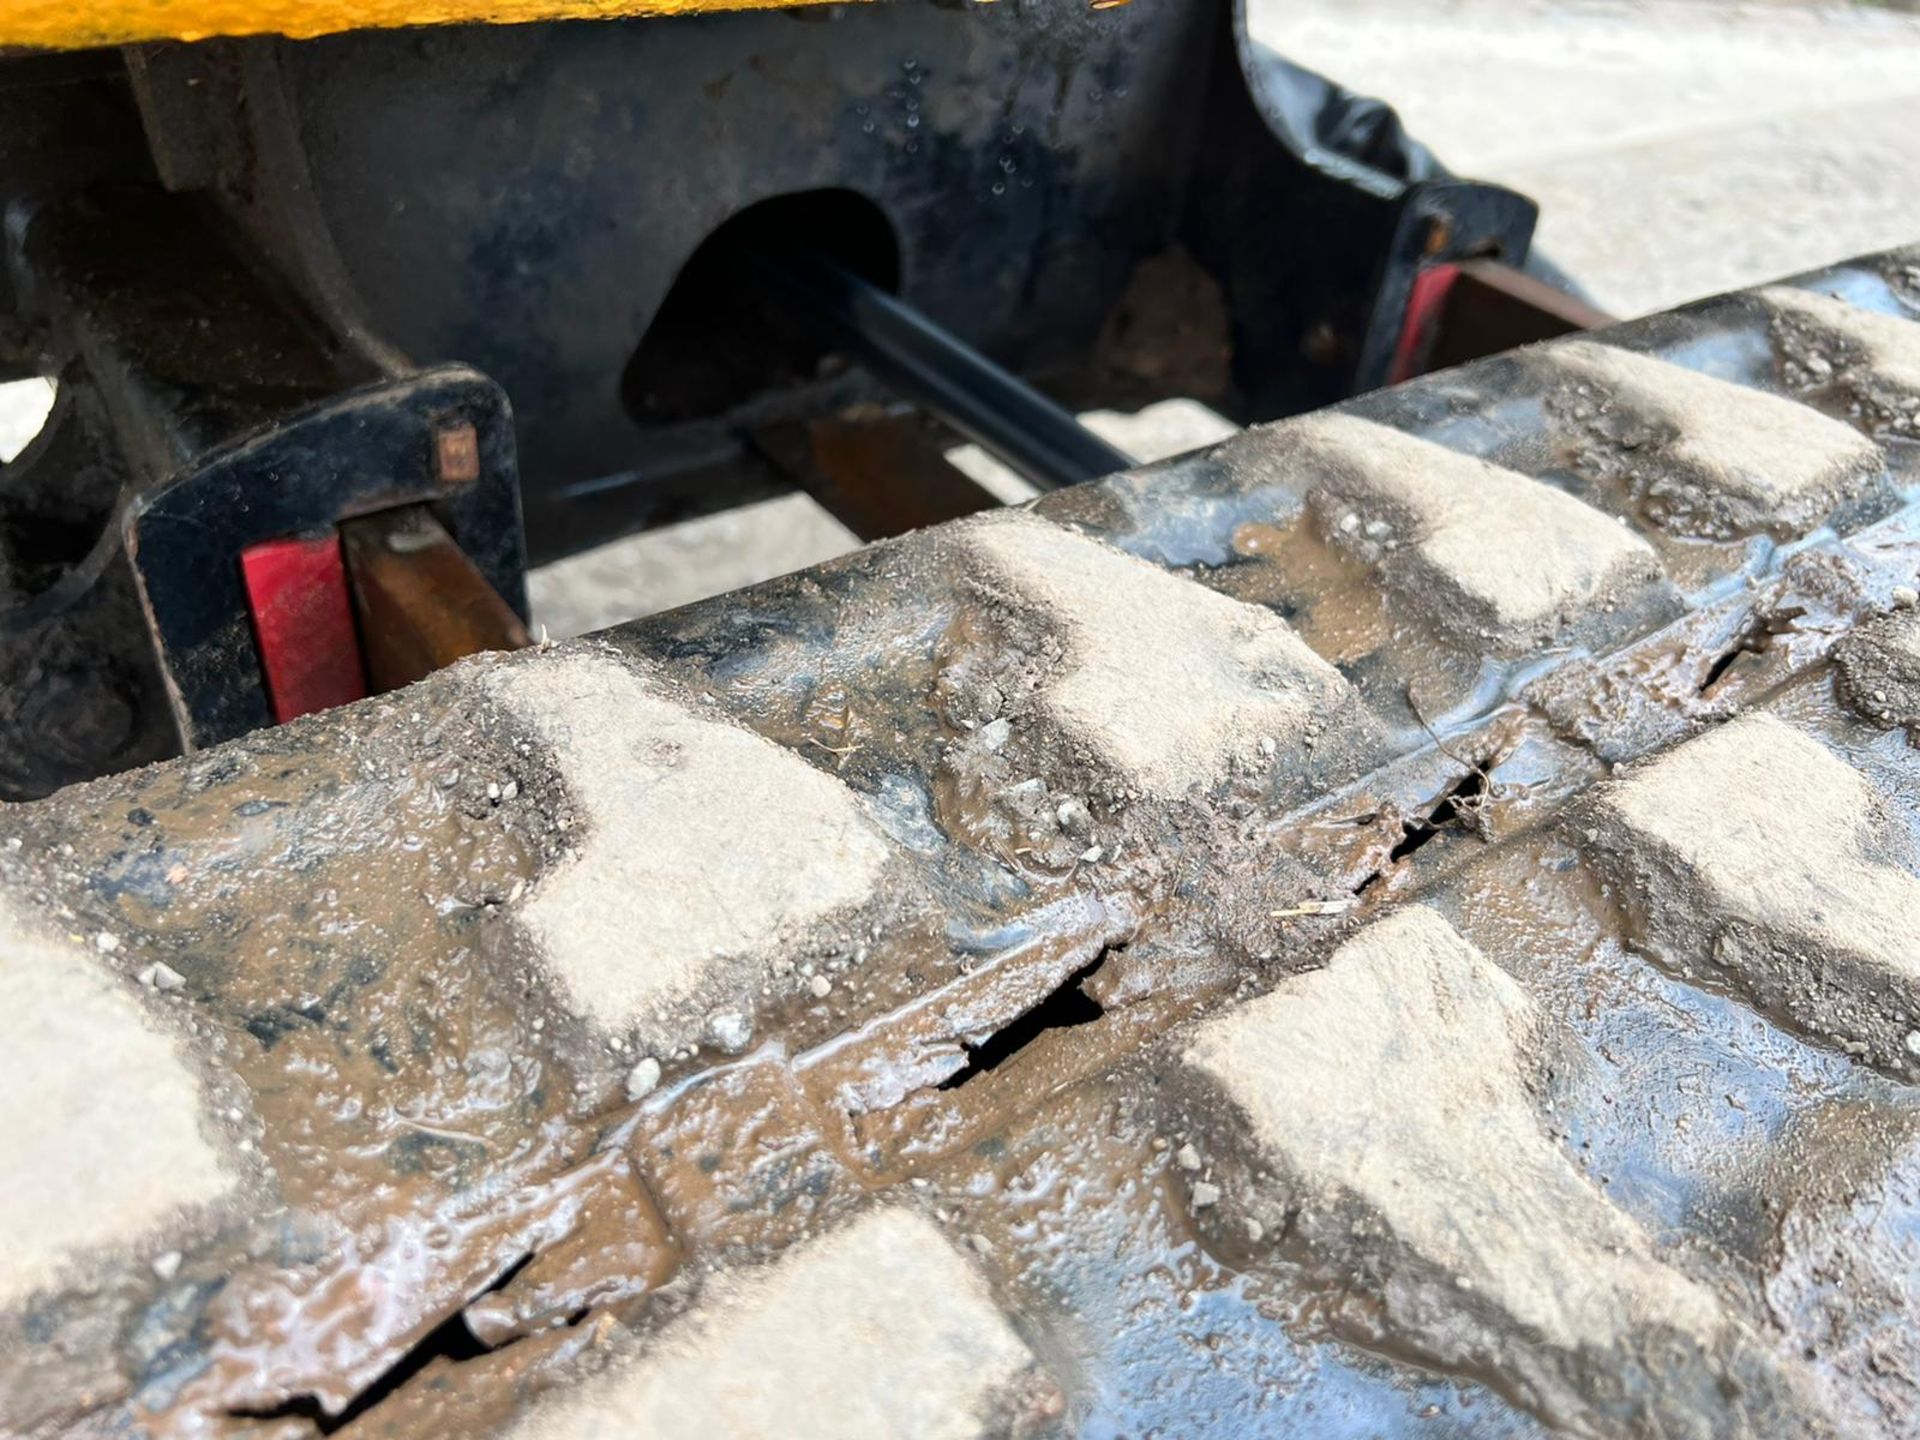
(1396,922)
(590,278)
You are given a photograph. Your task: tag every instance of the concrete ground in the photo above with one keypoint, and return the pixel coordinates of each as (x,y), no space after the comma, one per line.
(1676,147)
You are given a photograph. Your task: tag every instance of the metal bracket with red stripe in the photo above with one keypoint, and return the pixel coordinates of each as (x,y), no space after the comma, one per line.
(1461,310)
(239,561)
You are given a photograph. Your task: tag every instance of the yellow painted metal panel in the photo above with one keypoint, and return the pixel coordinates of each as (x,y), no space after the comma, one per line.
(72,24)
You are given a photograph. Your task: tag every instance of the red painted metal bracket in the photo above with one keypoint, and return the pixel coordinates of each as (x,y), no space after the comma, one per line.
(1425,305)
(1461,310)
(303,624)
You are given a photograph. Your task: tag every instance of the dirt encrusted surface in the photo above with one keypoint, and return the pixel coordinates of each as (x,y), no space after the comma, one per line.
(1392,1092)
(1869,362)
(1701,458)
(1228,950)
(1878,666)
(1754,850)
(1496,560)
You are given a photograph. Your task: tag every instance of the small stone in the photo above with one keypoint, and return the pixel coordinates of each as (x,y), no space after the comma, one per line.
(1074,817)
(106,943)
(161,976)
(1187,1158)
(166,1264)
(642,1078)
(1349,523)
(1205,1195)
(729,1030)
(509,790)
(1906,597)
(996,733)
(493,790)
(1091,855)
(821,987)
(1256,1232)
(981,1245)
(1378,529)
(1269,746)
(1913,1042)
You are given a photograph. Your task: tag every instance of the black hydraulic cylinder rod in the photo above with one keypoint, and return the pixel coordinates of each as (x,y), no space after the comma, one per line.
(990,406)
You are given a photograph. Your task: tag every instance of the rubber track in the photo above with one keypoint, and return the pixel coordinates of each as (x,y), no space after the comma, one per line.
(1396,925)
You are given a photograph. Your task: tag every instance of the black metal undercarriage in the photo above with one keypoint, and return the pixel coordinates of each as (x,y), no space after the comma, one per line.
(281,283)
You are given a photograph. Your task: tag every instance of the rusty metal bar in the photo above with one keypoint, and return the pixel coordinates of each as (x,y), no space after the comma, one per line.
(1491,307)
(421,601)
(936,369)
(878,472)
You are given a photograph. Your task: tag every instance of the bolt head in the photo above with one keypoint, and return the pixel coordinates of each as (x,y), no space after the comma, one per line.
(456,454)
